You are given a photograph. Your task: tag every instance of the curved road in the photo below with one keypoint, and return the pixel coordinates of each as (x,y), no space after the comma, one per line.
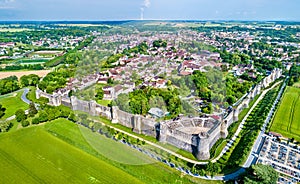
(24,99)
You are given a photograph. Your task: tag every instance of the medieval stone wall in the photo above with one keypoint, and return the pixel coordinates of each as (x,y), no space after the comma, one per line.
(137,123)
(199,145)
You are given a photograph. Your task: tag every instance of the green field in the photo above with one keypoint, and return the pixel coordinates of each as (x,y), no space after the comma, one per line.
(286,121)
(31,61)
(12,102)
(62,152)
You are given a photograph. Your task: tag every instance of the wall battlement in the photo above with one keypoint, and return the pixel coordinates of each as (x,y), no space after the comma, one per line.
(196,135)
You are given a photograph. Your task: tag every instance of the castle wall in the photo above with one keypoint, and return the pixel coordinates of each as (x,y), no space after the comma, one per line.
(137,123)
(197,144)
(173,140)
(66,102)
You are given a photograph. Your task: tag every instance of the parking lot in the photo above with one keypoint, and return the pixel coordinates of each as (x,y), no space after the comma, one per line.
(283,158)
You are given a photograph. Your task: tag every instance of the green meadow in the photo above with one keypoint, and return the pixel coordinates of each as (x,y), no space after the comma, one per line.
(12,102)
(63,152)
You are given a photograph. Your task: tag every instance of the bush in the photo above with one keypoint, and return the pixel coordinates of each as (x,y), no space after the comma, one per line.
(20,115)
(35,121)
(25,123)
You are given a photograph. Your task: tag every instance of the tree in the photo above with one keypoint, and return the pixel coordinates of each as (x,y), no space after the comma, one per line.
(43,116)
(25,123)
(24,81)
(259,173)
(2,111)
(99,93)
(72,117)
(32,110)
(20,115)
(123,102)
(212,168)
(35,121)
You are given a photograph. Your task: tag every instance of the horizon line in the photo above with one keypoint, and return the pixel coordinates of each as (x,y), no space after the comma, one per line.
(145,20)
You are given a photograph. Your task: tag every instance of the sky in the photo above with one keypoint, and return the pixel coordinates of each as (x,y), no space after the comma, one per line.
(286,10)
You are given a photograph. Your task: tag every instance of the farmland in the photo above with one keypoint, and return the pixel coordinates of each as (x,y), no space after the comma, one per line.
(19,74)
(286,121)
(46,53)
(62,152)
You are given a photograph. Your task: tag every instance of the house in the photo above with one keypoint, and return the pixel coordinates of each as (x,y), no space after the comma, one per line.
(110,93)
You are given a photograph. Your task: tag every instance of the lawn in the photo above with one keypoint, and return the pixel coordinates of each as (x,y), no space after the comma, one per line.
(286,120)
(12,102)
(63,152)
(86,140)
(104,102)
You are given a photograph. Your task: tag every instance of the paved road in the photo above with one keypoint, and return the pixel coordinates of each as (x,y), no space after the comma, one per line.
(24,99)
(261,137)
(230,143)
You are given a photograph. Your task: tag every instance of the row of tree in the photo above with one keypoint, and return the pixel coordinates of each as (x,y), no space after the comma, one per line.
(9,84)
(22,67)
(140,101)
(56,79)
(294,75)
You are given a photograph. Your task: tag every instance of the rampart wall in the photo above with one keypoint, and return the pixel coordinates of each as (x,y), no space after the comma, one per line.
(198,144)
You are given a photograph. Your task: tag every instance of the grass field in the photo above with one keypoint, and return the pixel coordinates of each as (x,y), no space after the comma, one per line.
(31,61)
(62,152)
(287,118)
(12,102)
(19,74)
(52,161)
(104,102)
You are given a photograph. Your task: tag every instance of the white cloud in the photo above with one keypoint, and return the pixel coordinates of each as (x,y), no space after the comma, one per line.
(146,3)
(7,1)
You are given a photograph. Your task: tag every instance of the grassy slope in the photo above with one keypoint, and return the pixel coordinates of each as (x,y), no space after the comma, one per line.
(286,121)
(61,152)
(12,103)
(34,156)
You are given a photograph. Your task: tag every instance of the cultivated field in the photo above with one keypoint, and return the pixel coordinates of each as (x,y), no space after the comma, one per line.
(287,118)
(63,152)
(46,53)
(19,74)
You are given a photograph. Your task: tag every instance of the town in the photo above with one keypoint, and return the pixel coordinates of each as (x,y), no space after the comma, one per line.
(206,99)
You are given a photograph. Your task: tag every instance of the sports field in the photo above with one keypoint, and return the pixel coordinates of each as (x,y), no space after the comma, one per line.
(63,152)
(287,118)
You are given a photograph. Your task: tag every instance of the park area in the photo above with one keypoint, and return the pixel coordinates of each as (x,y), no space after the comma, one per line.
(286,121)
(12,102)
